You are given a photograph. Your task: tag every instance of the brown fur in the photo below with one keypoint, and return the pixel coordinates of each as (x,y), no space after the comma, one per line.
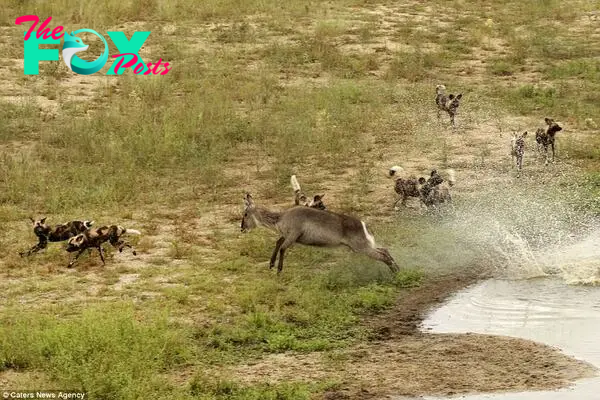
(517,150)
(45,233)
(313,227)
(94,238)
(406,188)
(545,138)
(448,104)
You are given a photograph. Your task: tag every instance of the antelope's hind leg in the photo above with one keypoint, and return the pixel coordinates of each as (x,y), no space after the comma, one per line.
(274,255)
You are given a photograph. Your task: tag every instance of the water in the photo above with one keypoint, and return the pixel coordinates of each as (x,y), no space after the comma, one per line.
(543,310)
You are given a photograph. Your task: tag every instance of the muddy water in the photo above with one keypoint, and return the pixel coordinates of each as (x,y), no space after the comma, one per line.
(545,310)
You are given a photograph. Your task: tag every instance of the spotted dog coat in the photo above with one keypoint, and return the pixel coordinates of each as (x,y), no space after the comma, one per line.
(59,233)
(94,238)
(435,190)
(545,138)
(301,199)
(448,103)
(518,149)
(406,188)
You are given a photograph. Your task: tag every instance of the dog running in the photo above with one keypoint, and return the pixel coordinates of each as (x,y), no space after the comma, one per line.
(94,238)
(59,233)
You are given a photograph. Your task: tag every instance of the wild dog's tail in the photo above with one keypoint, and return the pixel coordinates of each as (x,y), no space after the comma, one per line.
(123,231)
(88,224)
(295,184)
(393,171)
(451,177)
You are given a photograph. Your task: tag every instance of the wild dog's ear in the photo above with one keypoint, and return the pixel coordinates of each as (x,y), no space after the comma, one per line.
(248,202)
(524,134)
(43,220)
(422,181)
(32,220)
(549,121)
(433,172)
(450,96)
(459,96)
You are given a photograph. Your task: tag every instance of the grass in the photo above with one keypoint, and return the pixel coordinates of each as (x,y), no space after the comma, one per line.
(333,92)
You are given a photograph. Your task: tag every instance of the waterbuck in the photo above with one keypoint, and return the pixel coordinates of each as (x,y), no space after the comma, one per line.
(313,227)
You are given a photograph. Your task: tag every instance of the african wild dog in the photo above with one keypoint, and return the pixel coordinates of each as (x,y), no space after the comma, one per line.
(94,238)
(59,233)
(405,187)
(440,99)
(301,199)
(448,103)
(313,227)
(547,137)
(436,190)
(517,150)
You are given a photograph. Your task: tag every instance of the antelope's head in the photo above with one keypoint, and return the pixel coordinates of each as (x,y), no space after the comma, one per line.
(249,218)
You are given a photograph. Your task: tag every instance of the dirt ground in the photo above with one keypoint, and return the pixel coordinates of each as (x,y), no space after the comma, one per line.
(400,360)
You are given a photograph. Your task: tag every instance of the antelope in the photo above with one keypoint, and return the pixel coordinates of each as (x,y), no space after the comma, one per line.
(59,233)
(547,137)
(517,150)
(313,227)
(94,238)
(301,199)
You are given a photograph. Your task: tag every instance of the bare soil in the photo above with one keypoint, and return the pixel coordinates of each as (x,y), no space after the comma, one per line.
(400,360)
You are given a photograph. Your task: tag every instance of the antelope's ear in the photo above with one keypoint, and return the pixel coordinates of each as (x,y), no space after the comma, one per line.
(248,202)
(43,220)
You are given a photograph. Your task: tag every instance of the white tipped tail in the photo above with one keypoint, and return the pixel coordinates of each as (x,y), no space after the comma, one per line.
(295,183)
(395,170)
(451,177)
(132,231)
